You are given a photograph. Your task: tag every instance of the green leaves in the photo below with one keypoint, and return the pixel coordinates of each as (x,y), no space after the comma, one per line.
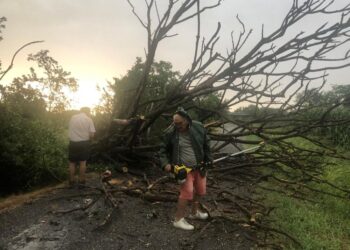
(53,82)
(31,149)
(334,125)
(2,26)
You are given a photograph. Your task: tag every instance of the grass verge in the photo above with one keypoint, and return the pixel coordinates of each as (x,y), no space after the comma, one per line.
(321,225)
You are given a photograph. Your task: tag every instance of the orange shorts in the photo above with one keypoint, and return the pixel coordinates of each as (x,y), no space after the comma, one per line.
(194,183)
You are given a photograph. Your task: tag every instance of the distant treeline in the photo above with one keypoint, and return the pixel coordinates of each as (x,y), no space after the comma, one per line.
(316,106)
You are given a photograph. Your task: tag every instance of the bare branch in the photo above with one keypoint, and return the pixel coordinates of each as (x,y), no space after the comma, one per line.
(14,56)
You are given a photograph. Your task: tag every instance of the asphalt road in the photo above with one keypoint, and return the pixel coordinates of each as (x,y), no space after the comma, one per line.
(228,149)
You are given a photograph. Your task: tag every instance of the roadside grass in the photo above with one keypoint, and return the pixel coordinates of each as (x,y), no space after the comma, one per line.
(324,225)
(321,225)
(15,200)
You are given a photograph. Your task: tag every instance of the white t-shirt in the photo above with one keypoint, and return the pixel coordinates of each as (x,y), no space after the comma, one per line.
(80,127)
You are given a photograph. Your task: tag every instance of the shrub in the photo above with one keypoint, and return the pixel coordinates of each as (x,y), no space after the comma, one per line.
(33,152)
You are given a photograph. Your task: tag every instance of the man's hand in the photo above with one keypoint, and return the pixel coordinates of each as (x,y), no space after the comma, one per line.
(167,168)
(206,164)
(137,119)
(204,167)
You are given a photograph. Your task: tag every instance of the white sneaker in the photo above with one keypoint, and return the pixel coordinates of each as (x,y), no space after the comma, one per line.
(199,215)
(183,224)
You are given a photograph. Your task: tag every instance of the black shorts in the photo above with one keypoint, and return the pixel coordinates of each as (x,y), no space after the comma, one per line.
(78,151)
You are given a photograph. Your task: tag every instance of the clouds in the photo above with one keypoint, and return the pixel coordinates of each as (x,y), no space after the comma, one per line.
(99,29)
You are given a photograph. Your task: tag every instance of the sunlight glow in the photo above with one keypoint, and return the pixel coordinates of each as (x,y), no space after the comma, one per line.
(86,95)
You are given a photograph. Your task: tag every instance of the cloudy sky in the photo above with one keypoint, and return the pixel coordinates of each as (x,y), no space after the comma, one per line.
(98,40)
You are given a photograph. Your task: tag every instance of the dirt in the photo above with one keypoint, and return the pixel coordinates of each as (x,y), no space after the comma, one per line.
(136,224)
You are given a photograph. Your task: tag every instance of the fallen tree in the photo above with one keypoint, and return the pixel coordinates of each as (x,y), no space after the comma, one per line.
(268,75)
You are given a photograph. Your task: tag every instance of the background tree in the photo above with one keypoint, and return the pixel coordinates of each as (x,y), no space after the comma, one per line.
(54,83)
(32,142)
(162,80)
(334,122)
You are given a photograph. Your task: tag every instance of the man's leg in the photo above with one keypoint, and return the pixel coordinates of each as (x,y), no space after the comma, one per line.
(195,203)
(200,183)
(71,167)
(186,194)
(82,169)
(181,209)
(180,221)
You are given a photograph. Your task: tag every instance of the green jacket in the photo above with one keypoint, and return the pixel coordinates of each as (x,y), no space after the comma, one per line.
(169,148)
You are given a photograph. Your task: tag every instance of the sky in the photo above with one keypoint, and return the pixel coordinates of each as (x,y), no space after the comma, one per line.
(99,40)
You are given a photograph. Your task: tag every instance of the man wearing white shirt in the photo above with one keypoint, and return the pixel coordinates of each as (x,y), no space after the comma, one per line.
(81,131)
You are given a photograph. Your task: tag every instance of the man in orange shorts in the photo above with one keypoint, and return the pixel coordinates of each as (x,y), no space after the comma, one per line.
(186,142)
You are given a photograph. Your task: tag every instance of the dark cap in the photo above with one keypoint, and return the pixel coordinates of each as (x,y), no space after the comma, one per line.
(182,112)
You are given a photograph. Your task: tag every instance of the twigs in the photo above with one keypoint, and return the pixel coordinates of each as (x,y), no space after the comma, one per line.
(161,179)
(83,208)
(106,220)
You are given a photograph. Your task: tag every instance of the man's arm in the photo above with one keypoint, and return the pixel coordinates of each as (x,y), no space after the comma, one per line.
(91,135)
(130,121)
(206,147)
(164,153)
(122,121)
(92,129)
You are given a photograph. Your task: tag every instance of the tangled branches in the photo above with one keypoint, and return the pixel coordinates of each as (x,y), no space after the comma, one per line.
(275,76)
